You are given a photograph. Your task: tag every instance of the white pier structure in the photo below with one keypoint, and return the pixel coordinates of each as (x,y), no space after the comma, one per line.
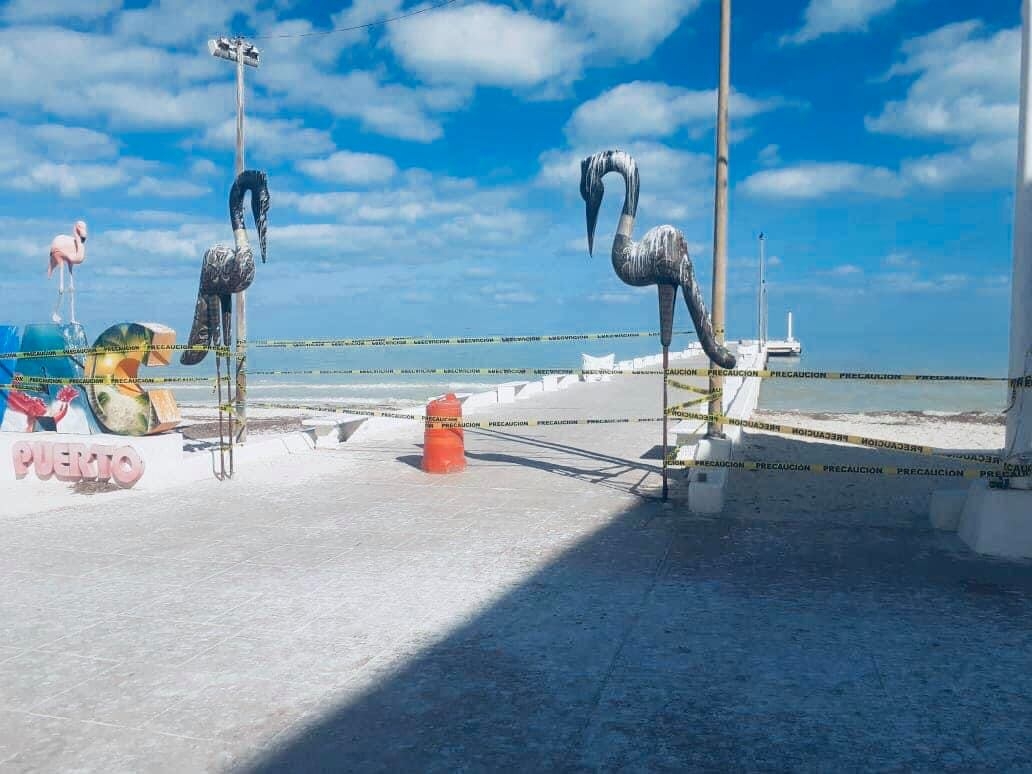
(789,347)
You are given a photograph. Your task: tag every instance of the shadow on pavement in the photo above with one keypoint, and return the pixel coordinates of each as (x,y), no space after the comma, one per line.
(818,624)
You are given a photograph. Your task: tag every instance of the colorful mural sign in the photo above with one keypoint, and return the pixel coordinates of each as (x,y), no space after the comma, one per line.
(118,409)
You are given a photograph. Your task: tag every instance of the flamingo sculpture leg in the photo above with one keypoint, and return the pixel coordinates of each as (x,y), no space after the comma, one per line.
(59,306)
(660,258)
(70,251)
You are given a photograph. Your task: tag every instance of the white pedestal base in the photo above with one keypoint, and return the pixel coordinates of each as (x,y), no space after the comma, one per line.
(998,522)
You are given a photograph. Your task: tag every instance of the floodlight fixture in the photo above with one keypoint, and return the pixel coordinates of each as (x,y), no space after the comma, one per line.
(227,48)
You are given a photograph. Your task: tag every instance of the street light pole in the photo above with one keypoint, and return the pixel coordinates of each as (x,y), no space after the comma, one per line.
(716,383)
(242,53)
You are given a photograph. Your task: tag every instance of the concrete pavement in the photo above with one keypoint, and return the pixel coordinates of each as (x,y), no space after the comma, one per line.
(540,611)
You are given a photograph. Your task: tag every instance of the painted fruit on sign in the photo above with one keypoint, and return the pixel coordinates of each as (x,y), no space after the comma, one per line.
(129,409)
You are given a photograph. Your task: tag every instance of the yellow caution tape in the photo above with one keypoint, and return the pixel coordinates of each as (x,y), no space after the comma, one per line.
(409,341)
(867,470)
(692,388)
(825,435)
(443,422)
(842,375)
(220,351)
(682,406)
(459,371)
(21,380)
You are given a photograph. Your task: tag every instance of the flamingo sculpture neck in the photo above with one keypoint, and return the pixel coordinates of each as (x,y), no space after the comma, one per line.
(255,182)
(660,258)
(225,270)
(593,170)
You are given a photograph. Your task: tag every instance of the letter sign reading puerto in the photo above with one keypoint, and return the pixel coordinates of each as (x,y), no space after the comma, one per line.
(77,462)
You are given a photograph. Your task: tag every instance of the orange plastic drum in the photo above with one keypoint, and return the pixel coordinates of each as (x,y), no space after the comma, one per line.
(443,447)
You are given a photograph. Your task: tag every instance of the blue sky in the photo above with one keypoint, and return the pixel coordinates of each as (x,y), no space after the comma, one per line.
(424,174)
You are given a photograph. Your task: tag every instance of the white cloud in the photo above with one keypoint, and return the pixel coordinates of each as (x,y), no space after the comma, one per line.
(508,293)
(900,261)
(675,184)
(68,142)
(416,215)
(364,12)
(85,75)
(22,11)
(824,17)
(305,74)
(139,105)
(981,165)
(203,168)
(911,282)
(393,110)
(770,155)
(167,189)
(486,44)
(515,297)
(966,86)
(965,94)
(625,29)
(814,180)
(185,243)
(355,168)
(649,109)
(844,270)
(270,138)
(50,157)
(625,297)
(175,22)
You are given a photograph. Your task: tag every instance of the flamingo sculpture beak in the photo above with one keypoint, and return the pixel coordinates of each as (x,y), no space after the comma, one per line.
(591,191)
(260,210)
(592,215)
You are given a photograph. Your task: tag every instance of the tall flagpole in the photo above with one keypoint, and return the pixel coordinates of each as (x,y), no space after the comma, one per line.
(716,383)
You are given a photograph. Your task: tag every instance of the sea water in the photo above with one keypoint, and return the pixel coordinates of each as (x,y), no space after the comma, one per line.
(407,390)
(873,354)
(387,391)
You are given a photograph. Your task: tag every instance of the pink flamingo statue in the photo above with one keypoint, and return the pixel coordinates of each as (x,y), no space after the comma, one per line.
(70,250)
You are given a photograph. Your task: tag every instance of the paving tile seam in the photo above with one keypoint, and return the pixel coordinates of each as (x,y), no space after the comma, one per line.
(215,645)
(16,654)
(111,666)
(120,726)
(596,701)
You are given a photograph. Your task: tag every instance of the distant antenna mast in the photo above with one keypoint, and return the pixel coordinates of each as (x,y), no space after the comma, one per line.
(761,295)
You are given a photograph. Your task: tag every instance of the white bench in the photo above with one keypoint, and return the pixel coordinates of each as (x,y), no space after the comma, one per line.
(507,391)
(332,430)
